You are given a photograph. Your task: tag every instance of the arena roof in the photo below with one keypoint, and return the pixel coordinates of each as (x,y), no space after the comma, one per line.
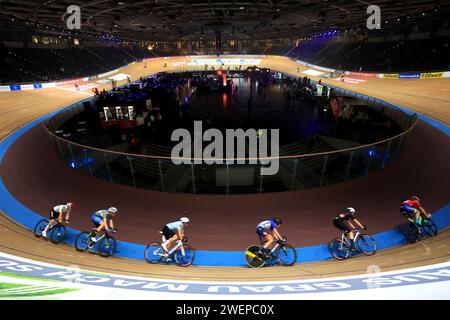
(195,19)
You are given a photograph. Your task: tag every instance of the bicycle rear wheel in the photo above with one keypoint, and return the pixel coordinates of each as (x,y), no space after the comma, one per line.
(366,244)
(58,234)
(339,249)
(153,252)
(186,259)
(40,226)
(82,241)
(286,254)
(253,259)
(412,233)
(107,246)
(429,227)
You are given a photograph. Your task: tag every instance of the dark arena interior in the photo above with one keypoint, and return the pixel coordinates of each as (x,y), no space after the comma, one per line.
(272,143)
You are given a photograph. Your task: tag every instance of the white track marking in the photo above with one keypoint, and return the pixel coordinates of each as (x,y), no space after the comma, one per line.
(74,91)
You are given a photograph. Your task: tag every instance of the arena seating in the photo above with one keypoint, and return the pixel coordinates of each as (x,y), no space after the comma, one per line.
(22,65)
(387,56)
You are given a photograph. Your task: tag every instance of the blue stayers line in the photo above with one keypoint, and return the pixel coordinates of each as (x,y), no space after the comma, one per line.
(17,211)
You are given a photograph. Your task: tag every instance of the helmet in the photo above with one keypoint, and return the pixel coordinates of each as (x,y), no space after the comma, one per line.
(71,204)
(277,221)
(351,211)
(415,198)
(184,219)
(113,210)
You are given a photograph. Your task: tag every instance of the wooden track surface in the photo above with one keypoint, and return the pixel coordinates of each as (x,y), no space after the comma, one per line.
(430,97)
(16,240)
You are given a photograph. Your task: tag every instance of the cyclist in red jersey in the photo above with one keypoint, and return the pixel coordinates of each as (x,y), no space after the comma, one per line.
(413,207)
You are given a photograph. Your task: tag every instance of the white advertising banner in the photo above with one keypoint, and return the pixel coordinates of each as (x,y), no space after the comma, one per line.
(49,85)
(27,87)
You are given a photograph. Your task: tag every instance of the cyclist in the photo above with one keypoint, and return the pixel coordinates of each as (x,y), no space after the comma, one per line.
(100,220)
(57,213)
(267,230)
(343,221)
(412,207)
(174,231)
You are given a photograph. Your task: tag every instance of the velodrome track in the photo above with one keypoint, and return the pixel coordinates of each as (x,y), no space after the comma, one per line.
(426,96)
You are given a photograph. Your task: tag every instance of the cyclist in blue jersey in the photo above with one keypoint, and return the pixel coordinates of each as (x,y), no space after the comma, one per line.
(174,231)
(100,219)
(267,231)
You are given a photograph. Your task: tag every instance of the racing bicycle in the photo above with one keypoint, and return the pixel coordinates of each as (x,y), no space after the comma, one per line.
(181,253)
(56,233)
(106,244)
(340,248)
(281,253)
(425,227)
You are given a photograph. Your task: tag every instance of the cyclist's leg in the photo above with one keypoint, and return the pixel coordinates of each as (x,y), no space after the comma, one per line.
(424,215)
(417,216)
(411,212)
(101,226)
(351,236)
(168,245)
(338,223)
(408,212)
(53,216)
(267,244)
(413,216)
(98,226)
(47,227)
(171,238)
(265,238)
(262,235)
(269,241)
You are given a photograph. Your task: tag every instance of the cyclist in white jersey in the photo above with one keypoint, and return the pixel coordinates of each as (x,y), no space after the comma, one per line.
(57,213)
(174,231)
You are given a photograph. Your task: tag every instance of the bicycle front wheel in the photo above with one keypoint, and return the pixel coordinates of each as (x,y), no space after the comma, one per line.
(40,226)
(153,252)
(339,249)
(366,244)
(286,254)
(107,246)
(186,259)
(253,259)
(429,227)
(82,241)
(58,234)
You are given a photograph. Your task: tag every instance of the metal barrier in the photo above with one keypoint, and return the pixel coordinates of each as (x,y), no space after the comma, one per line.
(296,172)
